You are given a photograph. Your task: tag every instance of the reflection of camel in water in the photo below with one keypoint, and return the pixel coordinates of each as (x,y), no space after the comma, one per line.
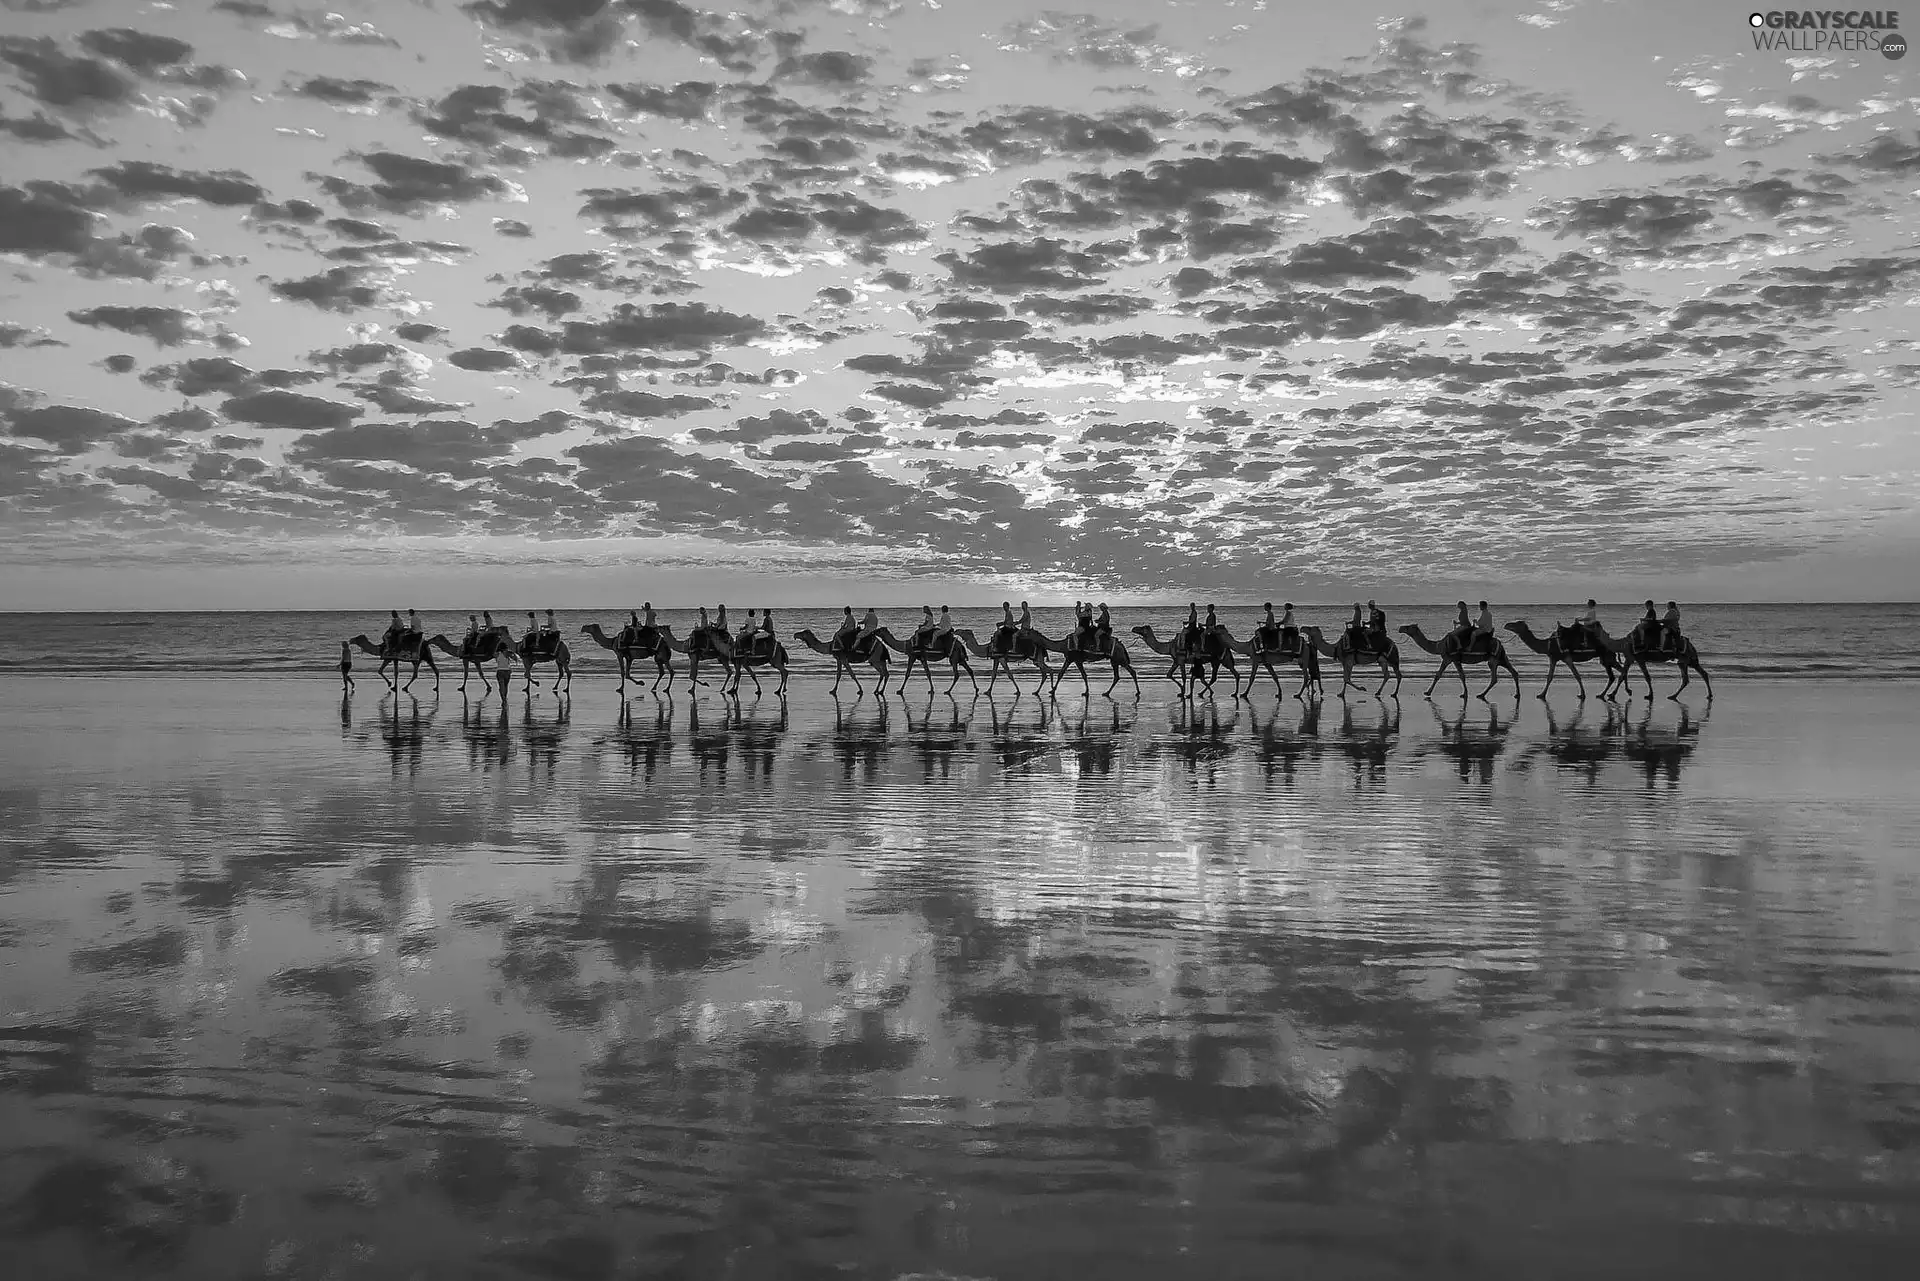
(489,738)
(633,644)
(1571,646)
(1197,736)
(758,738)
(1456,653)
(860,743)
(949,649)
(646,750)
(474,651)
(1017,746)
(1188,668)
(1094,750)
(1578,750)
(1387,660)
(1368,747)
(710,744)
(543,739)
(1660,753)
(412,648)
(937,747)
(1281,750)
(1633,650)
(1473,748)
(876,657)
(1005,650)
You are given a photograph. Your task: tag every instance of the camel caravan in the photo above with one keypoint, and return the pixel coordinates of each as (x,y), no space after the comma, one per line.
(1196,653)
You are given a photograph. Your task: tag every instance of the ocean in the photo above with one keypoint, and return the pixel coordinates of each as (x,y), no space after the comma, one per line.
(1796,642)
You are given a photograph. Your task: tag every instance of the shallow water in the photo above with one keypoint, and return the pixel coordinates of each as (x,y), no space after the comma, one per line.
(397,988)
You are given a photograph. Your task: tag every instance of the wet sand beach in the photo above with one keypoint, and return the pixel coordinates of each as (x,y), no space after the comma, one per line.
(402,987)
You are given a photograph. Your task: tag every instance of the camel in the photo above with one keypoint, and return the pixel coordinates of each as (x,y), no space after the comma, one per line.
(560,656)
(1388,660)
(475,651)
(415,650)
(952,649)
(702,642)
(1220,654)
(1572,646)
(876,657)
(1304,656)
(726,649)
(1005,650)
(633,644)
(1455,653)
(1069,645)
(1632,650)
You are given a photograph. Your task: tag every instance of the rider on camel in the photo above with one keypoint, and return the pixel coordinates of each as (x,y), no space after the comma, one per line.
(1589,623)
(843,638)
(1024,624)
(1191,632)
(766,626)
(1377,626)
(531,641)
(869,626)
(1670,628)
(413,625)
(1268,631)
(1482,638)
(943,629)
(1356,627)
(1289,630)
(1212,632)
(1008,627)
(1650,627)
(1103,631)
(923,634)
(1462,624)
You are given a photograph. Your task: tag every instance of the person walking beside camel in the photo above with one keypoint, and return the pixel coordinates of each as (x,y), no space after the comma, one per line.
(346,666)
(503,668)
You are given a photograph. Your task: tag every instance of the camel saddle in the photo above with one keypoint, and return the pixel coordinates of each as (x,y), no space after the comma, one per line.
(543,644)
(1366,641)
(1272,642)
(759,645)
(1574,639)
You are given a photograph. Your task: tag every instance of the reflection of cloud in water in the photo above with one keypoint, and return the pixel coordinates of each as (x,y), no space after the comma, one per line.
(775,976)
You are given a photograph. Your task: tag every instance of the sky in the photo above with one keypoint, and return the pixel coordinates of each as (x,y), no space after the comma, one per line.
(305,306)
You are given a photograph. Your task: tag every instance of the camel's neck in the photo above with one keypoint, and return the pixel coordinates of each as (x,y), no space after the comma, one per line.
(1419,638)
(1528,639)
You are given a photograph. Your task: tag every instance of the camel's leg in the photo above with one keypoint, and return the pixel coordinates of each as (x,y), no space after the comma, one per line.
(1493,670)
(1704,678)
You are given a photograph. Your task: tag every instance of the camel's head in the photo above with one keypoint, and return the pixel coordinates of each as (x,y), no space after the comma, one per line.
(1407,630)
(1142,630)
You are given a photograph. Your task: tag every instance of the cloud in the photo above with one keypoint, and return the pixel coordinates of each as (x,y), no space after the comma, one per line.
(286,409)
(165,326)
(410,185)
(448,446)
(72,429)
(63,82)
(484,360)
(343,289)
(141,180)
